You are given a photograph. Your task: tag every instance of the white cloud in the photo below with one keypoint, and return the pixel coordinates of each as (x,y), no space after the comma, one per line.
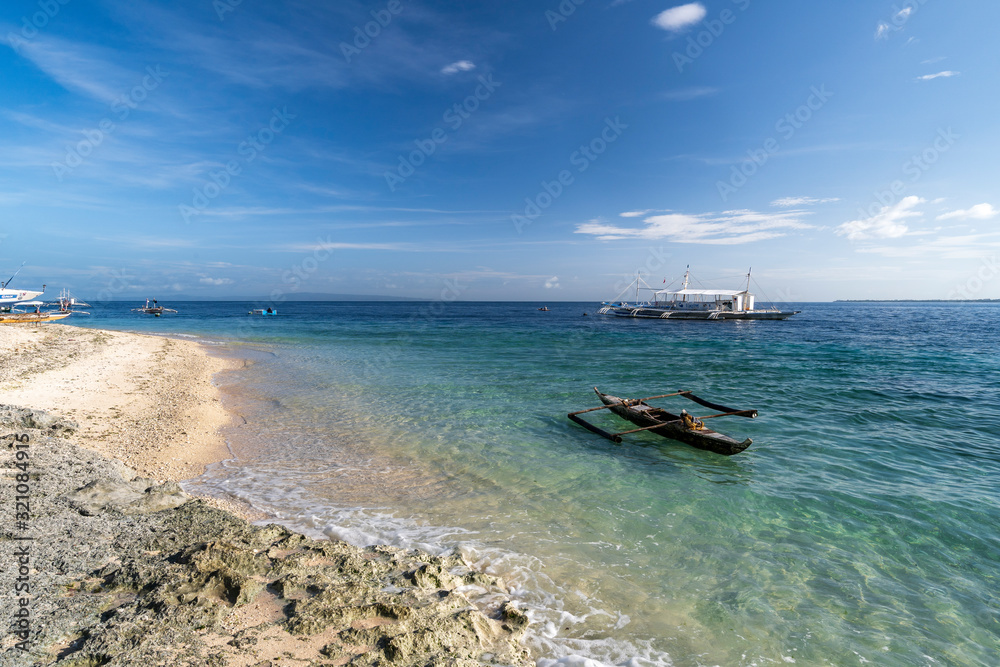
(552,283)
(788,202)
(903,14)
(886,224)
(882,31)
(678,18)
(634,214)
(969,246)
(945,74)
(725,228)
(460,66)
(688,94)
(977,212)
(216,281)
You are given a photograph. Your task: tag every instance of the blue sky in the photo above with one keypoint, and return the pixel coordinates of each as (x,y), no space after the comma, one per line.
(514,150)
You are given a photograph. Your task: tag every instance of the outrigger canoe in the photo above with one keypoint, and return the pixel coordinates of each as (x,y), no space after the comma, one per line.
(31,318)
(667,424)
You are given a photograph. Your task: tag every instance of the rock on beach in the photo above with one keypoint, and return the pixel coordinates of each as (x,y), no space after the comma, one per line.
(127,571)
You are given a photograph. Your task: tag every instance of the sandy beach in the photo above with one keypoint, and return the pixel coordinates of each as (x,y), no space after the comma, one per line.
(147,401)
(116,565)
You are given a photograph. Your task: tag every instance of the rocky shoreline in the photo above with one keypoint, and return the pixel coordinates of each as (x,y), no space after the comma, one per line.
(121,570)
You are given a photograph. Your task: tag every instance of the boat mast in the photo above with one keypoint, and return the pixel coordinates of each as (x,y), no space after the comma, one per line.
(13,276)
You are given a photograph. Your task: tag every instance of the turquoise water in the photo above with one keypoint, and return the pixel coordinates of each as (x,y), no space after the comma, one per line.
(862,526)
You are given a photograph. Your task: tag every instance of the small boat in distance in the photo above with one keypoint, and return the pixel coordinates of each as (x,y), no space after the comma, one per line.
(681,427)
(155,310)
(544,308)
(694,304)
(264,311)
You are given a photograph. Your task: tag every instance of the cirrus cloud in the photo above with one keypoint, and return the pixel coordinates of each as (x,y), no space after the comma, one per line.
(940,75)
(725,228)
(786,202)
(977,212)
(460,66)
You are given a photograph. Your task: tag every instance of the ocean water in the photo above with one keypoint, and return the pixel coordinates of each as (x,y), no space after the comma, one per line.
(861,527)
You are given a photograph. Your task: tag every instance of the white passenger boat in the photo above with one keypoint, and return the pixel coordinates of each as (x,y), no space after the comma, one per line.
(694,304)
(10,297)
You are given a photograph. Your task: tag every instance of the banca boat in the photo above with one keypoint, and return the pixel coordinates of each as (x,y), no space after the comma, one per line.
(680,427)
(694,304)
(156,309)
(11,297)
(32,316)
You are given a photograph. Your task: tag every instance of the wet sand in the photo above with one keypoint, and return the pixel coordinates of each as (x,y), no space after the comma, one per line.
(125,568)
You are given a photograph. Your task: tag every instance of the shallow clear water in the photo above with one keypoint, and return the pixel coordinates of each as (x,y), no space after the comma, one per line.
(863,524)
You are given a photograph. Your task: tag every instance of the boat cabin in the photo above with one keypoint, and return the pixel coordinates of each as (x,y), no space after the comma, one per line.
(703,299)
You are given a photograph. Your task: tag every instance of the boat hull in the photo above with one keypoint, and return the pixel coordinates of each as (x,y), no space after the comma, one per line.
(673,314)
(644,415)
(30,318)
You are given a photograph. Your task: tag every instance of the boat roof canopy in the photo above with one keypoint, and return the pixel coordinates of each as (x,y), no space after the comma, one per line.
(704,292)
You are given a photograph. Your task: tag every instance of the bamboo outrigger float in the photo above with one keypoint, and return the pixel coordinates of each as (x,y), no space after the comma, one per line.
(681,427)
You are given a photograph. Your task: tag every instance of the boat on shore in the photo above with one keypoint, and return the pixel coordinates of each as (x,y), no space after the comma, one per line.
(694,304)
(13,316)
(681,427)
(10,297)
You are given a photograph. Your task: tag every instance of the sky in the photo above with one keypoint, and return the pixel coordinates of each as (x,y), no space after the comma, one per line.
(539,151)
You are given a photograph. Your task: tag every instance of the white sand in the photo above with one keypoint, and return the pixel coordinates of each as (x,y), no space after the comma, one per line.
(147,401)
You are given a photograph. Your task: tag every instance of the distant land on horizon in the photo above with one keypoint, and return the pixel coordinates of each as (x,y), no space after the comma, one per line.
(300,296)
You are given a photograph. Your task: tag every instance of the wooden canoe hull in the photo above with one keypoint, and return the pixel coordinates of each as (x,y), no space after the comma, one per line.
(30,318)
(645,415)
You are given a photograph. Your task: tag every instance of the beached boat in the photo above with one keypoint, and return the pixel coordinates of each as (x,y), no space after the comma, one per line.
(10,297)
(14,316)
(681,427)
(694,304)
(155,310)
